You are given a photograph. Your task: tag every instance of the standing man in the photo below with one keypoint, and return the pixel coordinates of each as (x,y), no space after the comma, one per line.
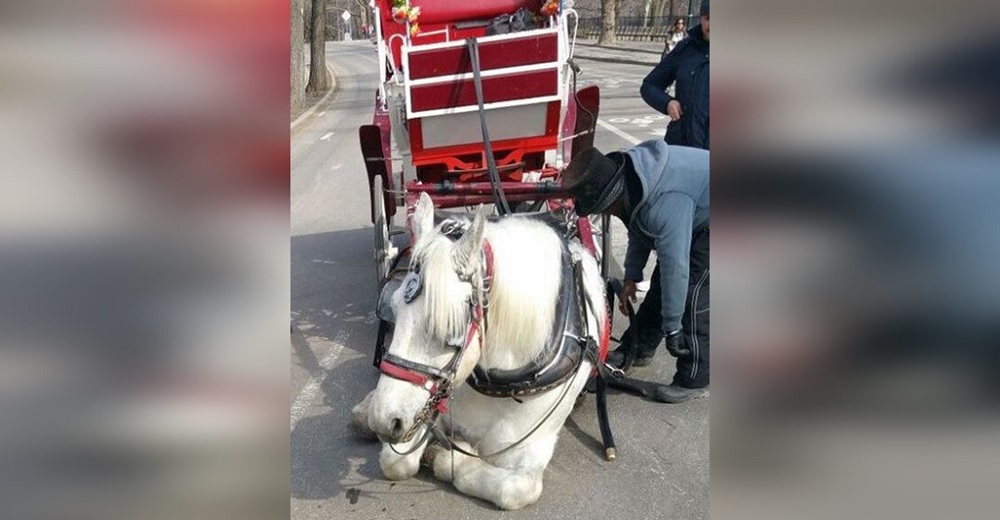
(660,192)
(687,64)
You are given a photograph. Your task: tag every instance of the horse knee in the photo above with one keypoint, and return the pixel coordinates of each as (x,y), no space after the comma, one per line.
(446,461)
(506,489)
(517,493)
(359,418)
(395,467)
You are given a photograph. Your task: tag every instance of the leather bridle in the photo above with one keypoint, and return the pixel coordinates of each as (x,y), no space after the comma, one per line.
(440,382)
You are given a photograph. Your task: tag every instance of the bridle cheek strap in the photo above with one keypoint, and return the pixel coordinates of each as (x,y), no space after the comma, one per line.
(423,377)
(430,378)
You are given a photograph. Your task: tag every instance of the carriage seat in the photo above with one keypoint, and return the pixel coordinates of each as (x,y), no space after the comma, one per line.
(452,11)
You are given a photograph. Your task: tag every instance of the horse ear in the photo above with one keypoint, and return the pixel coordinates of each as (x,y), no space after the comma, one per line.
(466,253)
(423,217)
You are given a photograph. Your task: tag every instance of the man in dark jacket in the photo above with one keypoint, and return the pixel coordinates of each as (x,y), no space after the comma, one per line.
(661,194)
(687,64)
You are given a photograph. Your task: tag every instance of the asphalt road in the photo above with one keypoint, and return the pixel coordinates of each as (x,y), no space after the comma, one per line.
(662,468)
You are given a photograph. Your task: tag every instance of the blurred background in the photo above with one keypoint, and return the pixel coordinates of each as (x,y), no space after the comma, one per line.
(144,280)
(855,255)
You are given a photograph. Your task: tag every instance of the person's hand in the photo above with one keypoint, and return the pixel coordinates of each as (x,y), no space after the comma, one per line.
(675,346)
(627,295)
(674,110)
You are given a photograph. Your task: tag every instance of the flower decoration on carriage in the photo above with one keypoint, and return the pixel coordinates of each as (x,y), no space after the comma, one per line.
(412,14)
(550,8)
(402,12)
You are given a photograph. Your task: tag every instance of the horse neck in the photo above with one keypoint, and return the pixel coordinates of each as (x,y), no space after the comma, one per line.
(526,280)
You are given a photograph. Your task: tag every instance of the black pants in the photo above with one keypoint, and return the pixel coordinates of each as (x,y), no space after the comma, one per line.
(692,371)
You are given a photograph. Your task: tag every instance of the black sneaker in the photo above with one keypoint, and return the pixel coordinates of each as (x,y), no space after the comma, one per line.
(677,394)
(616,358)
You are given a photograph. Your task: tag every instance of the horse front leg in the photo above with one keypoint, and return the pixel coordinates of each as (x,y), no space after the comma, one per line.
(507,488)
(359,417)
(395,465)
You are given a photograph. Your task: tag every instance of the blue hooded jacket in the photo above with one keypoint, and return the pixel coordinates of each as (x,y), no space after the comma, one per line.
(688,65)
(672,207)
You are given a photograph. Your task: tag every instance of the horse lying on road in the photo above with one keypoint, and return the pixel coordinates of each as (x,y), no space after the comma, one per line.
(498,328)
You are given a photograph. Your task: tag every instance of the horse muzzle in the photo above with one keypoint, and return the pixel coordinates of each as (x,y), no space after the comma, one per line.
(395,430)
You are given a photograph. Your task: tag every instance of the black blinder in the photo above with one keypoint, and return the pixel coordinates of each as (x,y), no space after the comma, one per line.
(413,285)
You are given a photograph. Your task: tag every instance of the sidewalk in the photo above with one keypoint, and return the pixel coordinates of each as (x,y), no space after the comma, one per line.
(642,53)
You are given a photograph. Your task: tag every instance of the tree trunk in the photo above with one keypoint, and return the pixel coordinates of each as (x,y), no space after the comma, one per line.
(318,80)
(609,9)
(298,56)
(363,7)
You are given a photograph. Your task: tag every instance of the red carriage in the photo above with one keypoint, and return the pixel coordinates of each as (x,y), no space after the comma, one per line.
(477,104)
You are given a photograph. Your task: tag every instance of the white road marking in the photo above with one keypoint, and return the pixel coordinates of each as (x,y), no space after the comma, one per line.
(326,136)
(618,132)
(309,392)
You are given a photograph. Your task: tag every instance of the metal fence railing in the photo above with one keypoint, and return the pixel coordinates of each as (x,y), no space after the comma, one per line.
(634,28)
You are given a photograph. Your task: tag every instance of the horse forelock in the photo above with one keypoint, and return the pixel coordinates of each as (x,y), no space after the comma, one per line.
(445,297)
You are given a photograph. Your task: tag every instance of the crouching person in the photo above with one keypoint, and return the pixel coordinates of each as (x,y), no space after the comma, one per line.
(661,193)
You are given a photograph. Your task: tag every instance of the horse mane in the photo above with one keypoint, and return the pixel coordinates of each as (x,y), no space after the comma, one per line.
(526,279)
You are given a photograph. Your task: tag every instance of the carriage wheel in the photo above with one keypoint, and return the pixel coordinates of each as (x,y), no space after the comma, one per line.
(383,246)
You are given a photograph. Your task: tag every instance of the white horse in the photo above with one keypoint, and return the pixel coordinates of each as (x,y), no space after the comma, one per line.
(438,341)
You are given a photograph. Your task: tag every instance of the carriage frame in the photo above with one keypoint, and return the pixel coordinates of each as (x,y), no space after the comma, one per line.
(463,115)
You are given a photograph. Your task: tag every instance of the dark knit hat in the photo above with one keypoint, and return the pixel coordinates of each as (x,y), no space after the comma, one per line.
(704,8)
(596,181)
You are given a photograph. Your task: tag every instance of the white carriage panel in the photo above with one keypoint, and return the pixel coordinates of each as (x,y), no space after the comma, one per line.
(503,123)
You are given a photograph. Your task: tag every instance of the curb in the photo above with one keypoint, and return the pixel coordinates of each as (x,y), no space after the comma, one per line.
(333,87)
(616,60)
(621,49)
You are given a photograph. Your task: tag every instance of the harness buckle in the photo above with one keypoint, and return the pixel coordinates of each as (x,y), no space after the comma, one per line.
(616,372)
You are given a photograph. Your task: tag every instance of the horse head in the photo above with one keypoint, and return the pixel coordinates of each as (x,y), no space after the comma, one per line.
(436,341)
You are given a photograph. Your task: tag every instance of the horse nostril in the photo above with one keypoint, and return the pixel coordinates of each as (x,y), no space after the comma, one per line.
(397,428)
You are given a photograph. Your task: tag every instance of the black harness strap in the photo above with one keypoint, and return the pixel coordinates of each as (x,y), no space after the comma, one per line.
(491,163)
